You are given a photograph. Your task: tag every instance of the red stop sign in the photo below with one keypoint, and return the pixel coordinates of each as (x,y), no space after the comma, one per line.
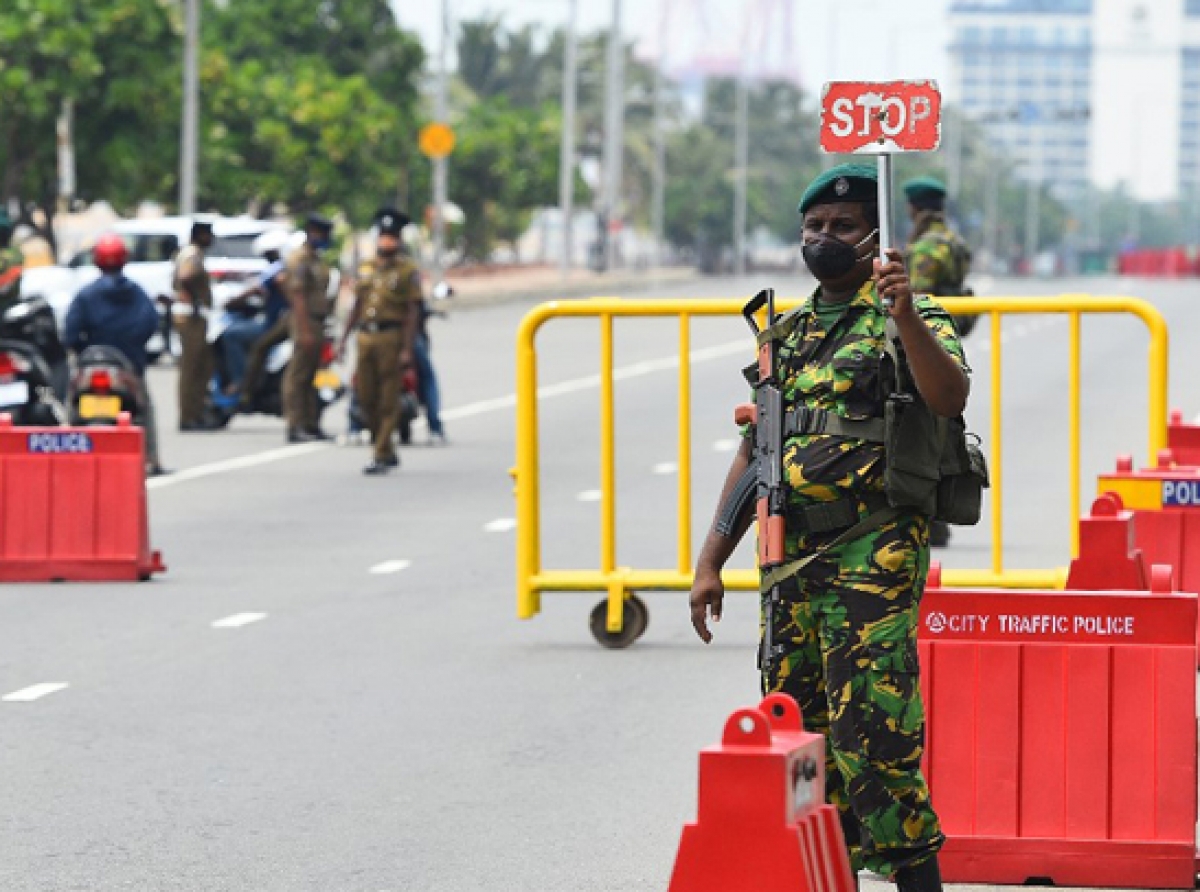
(881,118)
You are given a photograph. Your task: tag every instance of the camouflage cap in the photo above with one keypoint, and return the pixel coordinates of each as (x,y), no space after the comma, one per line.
(846,182)
(924,187)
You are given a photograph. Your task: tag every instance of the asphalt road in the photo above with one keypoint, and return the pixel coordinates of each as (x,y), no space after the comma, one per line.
(329,689)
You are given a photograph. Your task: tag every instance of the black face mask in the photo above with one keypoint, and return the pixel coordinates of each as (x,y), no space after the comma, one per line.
(829,258)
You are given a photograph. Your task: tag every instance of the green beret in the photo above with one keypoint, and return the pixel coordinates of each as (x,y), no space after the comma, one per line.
(846,182)
(924,187)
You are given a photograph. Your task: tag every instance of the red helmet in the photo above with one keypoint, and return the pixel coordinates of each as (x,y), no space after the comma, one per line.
(110,252)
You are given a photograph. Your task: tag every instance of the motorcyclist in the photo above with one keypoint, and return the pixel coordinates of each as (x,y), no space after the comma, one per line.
(12,263)
(258,308)
(115,312)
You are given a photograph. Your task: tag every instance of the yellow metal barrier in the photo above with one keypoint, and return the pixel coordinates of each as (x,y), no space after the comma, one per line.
(620,582)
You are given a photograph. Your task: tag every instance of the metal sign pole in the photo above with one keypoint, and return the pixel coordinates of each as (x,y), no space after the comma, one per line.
(885,211)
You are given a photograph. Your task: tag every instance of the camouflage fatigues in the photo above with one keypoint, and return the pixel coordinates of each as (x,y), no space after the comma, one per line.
(387,288)
(847,624)
(12,263)
(937,257)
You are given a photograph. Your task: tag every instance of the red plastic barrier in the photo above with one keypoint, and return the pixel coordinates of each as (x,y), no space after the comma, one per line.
(763,824)
(1183,440)
(1061,738)
(1165,502)
(73,504)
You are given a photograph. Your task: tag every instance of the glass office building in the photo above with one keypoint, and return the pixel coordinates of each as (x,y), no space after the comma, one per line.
(1023,68)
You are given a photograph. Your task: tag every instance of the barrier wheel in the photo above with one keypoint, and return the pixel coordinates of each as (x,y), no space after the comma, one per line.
(635,618)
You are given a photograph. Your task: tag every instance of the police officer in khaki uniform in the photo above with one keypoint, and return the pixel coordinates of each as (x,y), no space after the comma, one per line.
(189,313)
(387,313)
(307,286)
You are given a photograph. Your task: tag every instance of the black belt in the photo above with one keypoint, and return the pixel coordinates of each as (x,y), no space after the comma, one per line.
(825,517)
(376,327)
(806,420)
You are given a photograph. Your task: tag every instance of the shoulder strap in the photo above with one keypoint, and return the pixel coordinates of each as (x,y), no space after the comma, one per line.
(871,522)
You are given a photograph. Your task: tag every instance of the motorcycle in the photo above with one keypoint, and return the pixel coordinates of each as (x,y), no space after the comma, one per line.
(26,387)
(267,398)
(32,321)
(104,385)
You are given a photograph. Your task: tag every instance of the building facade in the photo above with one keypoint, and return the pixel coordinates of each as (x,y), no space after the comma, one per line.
(1079,91)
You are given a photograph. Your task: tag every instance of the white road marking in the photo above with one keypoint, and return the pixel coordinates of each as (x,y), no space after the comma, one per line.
(34,692)
(589,495)
(726,445)
(235,464)
(390,567)
(238,620)
(589,382)
(500,525)
(665,467)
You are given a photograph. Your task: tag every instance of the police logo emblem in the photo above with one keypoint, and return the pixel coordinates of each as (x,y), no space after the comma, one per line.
(387,222)
(842,186)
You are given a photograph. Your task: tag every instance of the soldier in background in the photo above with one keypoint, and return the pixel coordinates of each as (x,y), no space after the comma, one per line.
(189,314)
(938,262)
(387,313)
(307,287)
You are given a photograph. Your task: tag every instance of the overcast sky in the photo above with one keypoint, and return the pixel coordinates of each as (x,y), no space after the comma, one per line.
(830,39)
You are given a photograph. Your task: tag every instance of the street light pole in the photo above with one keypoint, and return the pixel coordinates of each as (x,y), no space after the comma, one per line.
(658,197)
(566,163)
(614,131)
(439,164)
(191,108)
(741,153)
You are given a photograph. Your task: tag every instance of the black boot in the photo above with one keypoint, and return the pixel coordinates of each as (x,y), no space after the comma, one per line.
(923,877)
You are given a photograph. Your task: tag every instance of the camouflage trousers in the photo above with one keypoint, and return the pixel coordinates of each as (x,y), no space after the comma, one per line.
(845,648)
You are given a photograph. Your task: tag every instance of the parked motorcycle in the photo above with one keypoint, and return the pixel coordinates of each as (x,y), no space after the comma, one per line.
(26,387)
(32,321)
(268,396)
(104,385)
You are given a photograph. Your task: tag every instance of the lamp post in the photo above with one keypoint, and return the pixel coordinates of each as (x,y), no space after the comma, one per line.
(188,153)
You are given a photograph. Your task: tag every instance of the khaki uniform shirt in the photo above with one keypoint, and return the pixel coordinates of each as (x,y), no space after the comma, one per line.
(308,275)
(189,265)
(386,286)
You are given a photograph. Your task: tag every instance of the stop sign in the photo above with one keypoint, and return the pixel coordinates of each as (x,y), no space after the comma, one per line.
(881,118)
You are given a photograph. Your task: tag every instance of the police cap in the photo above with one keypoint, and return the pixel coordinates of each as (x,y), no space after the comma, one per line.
(201,225)
(319,222)
(846,182)
(922,188)
(390,221)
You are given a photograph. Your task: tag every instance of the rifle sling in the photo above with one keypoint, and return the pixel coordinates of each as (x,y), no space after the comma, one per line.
(782,573)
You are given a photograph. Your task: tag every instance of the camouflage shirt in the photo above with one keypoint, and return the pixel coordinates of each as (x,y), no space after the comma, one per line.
(12,263)
(938,259)
(839,370)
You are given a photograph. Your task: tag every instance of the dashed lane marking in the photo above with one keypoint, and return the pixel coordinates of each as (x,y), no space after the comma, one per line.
(589,495)
(390,567)
(726,445)
(35,692)
(238,620)
(500,525)
(665,467)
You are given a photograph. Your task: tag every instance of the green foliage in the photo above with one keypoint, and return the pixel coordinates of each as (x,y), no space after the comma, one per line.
(505,165)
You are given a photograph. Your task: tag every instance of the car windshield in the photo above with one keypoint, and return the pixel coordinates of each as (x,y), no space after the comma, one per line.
(236,246)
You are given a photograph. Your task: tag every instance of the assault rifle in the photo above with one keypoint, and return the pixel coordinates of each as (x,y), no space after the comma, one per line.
(762,484)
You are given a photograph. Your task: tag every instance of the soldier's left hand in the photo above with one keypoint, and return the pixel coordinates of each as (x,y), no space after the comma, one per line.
(891,281)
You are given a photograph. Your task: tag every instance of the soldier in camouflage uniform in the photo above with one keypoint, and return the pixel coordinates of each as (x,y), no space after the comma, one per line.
(12,264)
(387,314)
(845,632)
(938,263)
